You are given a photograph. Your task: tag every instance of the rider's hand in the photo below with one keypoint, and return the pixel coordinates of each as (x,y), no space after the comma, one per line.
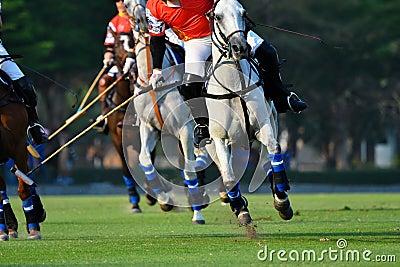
(156,79)
(108,62)
(129,62)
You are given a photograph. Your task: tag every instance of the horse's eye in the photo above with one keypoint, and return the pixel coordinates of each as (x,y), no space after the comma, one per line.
(218,17)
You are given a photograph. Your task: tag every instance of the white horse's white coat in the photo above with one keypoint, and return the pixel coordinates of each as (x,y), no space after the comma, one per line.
(227,122)
(176,115)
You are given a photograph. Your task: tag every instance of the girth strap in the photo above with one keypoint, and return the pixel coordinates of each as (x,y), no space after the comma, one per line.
(233,94)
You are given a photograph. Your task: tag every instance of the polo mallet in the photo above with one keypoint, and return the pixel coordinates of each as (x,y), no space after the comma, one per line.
(77,115)
(103,117)
(91,89)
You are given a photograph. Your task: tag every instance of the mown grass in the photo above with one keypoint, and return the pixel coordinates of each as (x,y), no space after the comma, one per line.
(100,231)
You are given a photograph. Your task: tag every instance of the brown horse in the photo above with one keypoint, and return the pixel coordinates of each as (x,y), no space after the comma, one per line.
(13,140)
(115,122)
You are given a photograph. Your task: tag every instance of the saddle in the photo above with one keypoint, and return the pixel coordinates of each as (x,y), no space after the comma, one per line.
(7,85)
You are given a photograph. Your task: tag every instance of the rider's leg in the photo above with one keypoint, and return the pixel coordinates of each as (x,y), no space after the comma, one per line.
(25,90)
(191,93)
(284,100)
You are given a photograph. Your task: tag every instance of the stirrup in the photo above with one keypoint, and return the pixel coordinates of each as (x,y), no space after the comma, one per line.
(201,135)
(36,134)
(296,98)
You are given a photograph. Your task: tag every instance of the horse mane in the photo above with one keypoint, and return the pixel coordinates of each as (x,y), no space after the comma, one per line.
(120,53)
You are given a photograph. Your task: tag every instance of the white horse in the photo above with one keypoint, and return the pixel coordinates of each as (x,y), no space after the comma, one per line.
(233,91)
(163,111)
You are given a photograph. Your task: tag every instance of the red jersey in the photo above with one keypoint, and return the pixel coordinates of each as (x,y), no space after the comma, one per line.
(188,20)
(121,26)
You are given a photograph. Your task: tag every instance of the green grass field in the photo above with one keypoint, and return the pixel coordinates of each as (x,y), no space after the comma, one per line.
(100,231)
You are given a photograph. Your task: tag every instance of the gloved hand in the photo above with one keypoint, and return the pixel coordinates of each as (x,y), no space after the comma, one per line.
(108,62)
(156,80)
(129,62)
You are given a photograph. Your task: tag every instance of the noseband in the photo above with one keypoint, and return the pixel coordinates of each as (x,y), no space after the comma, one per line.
(133,19)
(224,45)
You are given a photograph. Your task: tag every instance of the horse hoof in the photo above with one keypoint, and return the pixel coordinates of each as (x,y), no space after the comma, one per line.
(287,214)
(244,218)
(166,204)
(198,217)
(34,235)
(281,204)
(12,234)
(3,237)
(136,209)
(151,201)
(166,207)
(223,196)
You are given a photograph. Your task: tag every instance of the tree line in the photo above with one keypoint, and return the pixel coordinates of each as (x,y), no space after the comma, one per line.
(350,79)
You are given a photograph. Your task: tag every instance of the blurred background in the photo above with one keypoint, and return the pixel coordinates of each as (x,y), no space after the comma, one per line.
(350,80)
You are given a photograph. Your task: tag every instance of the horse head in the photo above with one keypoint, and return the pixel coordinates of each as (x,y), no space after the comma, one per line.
(137,14)
(227,20)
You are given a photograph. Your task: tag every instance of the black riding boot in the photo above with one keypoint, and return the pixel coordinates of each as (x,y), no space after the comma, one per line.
(274,89)
(26,91)
(191,93)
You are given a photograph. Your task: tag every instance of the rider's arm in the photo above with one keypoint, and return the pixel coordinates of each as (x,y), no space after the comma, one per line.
(157,42)
(157,48)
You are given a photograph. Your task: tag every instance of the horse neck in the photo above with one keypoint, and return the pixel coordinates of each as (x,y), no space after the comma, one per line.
(143,57)
(226,71)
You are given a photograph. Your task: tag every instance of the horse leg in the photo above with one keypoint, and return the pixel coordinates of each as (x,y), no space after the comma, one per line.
(130,182)
(196,197)
(237,202)
(149,140)
(31,203)
(3,227)
(202,161)
(276,174)
(10,219)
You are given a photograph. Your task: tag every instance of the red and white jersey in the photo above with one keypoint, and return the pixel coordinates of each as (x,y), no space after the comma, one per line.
(120,25)
(188,20)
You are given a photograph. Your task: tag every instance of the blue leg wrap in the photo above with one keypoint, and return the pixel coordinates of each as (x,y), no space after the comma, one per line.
(27,205)
(2,219)
(234,193)
(278,168)
(192,186)
(131,186)
(151,176)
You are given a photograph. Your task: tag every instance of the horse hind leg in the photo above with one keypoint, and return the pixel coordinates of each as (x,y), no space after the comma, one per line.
(10,219)
(134,196)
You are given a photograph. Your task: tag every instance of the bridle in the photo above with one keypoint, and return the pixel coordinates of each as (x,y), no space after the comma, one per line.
(223,43)
(133,20)
(219,39)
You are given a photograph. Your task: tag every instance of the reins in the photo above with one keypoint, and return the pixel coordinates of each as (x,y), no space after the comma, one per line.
(225,49)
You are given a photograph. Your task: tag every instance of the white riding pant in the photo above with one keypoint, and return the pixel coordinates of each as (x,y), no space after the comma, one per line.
(9,66)
(198,50)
